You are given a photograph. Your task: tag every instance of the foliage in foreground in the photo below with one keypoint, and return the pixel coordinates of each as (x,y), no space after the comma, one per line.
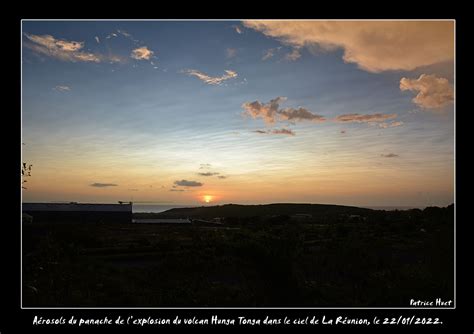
(384,260)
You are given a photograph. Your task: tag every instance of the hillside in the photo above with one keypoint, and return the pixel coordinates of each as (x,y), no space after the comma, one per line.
(244,211)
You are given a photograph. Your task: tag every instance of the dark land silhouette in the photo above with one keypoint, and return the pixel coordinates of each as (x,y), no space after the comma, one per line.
(277,255)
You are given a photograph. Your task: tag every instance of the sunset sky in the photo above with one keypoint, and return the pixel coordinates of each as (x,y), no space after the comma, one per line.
(184,112)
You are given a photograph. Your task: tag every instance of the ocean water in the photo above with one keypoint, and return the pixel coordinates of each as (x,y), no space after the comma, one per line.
(155,208)
(392,208)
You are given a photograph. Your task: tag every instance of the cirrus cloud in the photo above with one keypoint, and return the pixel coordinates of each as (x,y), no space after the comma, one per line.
(293,55)
(237,29)
(283,131)
(60,88)
(212,80)
(374,46)
(60,49)
(268,54)
(364,118)
(433,92)
(65,50)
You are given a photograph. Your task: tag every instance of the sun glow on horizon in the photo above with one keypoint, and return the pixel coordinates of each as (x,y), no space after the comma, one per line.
(208,198)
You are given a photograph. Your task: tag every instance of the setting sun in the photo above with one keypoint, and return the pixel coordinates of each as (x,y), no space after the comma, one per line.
(207,198)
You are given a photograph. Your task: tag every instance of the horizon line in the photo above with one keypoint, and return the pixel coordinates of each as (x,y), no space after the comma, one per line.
(150,203)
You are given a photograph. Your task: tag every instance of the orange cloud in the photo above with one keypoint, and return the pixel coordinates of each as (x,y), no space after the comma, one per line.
(270,112)
(65,50)
(142,53)
(374,46)
(390,125)
(60,49)
(433,92)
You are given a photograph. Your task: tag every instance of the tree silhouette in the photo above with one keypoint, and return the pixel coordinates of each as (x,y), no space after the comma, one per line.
(25,172)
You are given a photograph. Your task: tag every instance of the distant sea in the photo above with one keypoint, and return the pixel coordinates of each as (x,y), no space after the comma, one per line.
(155,208)
(392,208)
